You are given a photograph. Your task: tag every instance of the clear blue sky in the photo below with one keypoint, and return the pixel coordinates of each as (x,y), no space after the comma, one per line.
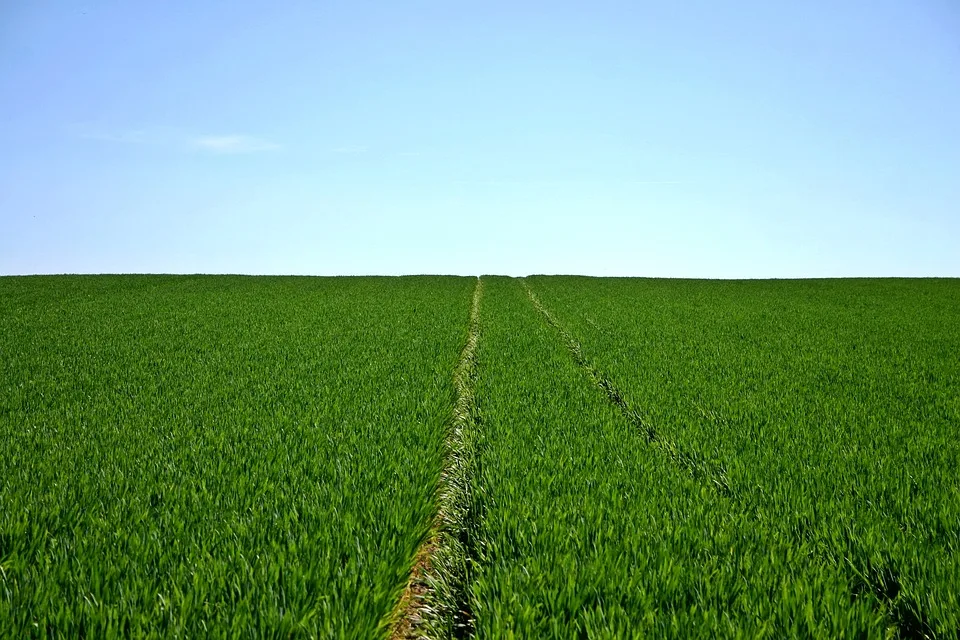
(687,139)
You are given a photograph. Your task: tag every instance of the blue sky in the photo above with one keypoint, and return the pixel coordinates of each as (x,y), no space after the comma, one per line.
(681,139)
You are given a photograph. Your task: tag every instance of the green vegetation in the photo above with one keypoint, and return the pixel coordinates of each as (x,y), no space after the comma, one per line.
(585,529)
(195,456)
(560,457)
(830,407)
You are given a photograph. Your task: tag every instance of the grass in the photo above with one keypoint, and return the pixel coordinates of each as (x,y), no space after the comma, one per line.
(831,406)
(605,458)
(588,530)
(212,455)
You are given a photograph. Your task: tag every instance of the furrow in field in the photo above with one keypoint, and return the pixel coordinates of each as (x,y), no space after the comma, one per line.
(696,464)
(434,603)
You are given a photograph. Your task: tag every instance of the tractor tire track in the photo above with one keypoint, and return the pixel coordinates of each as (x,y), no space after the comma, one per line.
(434,602)
(695,463)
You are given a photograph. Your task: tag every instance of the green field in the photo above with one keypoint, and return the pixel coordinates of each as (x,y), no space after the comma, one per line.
(236,454)
(196,456)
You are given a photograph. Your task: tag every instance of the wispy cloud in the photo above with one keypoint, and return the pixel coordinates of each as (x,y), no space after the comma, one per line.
(165,137)
(233,144)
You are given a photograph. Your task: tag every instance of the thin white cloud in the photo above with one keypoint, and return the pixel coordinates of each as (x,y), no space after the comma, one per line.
(233,144)
(166,137)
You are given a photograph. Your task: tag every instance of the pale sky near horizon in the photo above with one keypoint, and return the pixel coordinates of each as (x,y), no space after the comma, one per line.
(679,139)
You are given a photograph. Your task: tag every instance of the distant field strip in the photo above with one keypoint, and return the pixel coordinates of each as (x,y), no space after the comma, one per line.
(832,406)
(433,604)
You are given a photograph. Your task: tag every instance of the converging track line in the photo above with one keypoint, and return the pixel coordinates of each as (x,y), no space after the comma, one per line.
(433,603)
(697,466)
